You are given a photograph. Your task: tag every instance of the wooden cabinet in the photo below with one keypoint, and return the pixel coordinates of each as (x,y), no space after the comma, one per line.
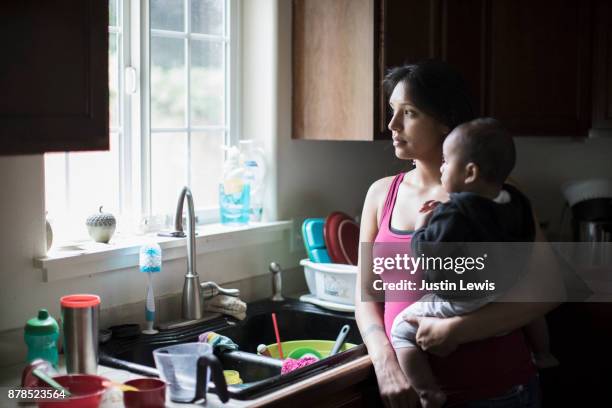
(333,69)
(542,67)
(602,80)
(580,335)
(528,63)
(407,33)
(53,76)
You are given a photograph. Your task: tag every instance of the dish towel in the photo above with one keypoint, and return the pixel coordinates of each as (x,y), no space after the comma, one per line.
(228,305)
(217,341)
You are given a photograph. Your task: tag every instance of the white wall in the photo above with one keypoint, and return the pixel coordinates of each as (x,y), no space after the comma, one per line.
(258,105)
(544,164)
(23,223)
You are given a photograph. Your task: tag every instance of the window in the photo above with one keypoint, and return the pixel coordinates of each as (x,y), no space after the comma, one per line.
(172,109)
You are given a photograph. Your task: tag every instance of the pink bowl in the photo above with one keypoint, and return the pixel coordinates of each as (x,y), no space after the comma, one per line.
(86,390)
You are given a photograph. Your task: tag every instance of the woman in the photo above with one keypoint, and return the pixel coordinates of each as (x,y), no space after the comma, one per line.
(428,100)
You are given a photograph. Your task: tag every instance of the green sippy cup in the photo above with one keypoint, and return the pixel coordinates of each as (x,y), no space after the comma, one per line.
(40,334)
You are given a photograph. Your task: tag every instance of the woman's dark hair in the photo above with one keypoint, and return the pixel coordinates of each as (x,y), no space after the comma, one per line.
(436,88)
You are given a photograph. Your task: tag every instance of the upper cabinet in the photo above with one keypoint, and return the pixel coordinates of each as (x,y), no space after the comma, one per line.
(532,59)
(542,67)
(602,83)
(333,69)
(399,25)
(54,76)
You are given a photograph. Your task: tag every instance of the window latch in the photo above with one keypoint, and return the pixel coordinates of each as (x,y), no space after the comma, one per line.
(131,80)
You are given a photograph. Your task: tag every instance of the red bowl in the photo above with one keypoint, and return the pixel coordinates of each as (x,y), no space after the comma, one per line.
(151,393)
(86,390)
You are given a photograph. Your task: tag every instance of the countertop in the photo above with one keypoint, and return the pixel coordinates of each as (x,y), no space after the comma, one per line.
(359,367)
(11,377)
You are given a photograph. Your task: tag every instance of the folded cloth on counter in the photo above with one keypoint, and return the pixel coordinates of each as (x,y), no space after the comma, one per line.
(217,341)
(228,305)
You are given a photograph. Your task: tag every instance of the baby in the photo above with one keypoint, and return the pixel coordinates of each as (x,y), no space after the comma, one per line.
(478,157)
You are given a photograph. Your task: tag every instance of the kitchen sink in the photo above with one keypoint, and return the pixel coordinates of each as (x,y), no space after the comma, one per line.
(261,375)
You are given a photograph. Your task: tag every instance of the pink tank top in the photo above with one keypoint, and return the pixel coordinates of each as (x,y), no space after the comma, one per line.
(477,370)
(395,301)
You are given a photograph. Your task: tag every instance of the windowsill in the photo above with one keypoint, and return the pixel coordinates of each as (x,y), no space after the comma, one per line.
(93,258)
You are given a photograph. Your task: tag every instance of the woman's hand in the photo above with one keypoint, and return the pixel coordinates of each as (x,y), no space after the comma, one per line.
(434,335)
(395,390)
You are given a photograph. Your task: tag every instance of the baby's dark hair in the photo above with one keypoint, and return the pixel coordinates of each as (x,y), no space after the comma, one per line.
(436,88)
(487,144)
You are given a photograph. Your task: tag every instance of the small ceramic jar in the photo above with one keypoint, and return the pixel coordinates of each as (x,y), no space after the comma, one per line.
(101,226)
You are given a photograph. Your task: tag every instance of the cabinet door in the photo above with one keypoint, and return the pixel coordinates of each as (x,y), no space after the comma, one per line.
(538,65)
(53,76)
(407,32)
(527,63)
(333,69)
(602,86)
(462,42)
(580,337)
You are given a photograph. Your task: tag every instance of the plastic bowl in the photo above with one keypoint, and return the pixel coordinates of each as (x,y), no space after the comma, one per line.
(151,393)
(331,281)
(86,390)
(323,347)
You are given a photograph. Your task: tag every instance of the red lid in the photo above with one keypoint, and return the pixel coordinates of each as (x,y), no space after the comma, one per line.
(79,301)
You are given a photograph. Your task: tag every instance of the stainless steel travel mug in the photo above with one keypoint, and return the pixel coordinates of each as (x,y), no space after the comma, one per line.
(80,328)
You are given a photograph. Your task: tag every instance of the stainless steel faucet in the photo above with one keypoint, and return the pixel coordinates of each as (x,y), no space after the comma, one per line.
(191,307)
(277,282)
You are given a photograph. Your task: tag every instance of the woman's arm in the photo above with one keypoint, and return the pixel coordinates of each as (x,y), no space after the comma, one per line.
(394,387)
(542,282)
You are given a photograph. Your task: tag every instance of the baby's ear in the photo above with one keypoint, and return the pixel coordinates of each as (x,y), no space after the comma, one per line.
(472,172)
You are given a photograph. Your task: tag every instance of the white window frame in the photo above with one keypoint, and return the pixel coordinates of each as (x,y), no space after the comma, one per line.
(232,99)
(134,109)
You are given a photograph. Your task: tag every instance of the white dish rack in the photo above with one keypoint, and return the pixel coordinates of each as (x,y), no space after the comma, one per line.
(336,307)
(331,282)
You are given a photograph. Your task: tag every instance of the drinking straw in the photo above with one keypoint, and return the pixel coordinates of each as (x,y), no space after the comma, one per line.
(278,342)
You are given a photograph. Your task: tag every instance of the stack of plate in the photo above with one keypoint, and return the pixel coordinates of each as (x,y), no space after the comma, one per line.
(334,239)
(332,245)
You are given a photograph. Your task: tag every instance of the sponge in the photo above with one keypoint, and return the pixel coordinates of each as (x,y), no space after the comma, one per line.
(291,364)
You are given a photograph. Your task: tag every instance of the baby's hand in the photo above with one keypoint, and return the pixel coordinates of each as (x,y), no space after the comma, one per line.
(429,205)
(433,334)
(424,215)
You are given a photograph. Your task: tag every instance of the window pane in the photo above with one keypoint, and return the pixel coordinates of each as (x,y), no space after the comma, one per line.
(112,13)
(113,76)
(207,16)
(167,15)
(207,83)
(206,167)
(168,170)
(168,82)
(94,182)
